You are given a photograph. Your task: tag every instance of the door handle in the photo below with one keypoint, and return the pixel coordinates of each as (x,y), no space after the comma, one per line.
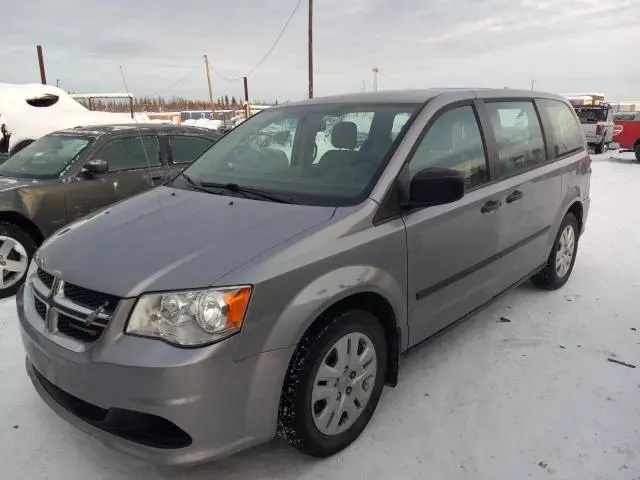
(156,177)
(491,206)
(514,196)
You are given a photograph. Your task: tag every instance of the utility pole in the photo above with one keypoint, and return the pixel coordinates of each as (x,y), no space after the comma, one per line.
(247,109)
(532,83)
(310,48)
(43,76)
(375,78)
(206,66)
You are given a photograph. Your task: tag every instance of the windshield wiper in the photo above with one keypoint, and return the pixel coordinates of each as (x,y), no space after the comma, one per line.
(195,185)
(246,191)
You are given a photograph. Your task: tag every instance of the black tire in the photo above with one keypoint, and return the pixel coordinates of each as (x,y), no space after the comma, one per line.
(20,146)
(295,423)
(599,148)
(636,150)
(548,278)
(12,231)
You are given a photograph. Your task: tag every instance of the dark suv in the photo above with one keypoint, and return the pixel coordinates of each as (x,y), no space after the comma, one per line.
(70,173)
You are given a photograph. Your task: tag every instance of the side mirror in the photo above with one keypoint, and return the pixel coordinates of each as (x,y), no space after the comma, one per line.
(95,167)
(435,186)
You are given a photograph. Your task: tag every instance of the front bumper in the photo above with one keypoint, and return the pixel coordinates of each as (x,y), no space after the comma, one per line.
(221,405)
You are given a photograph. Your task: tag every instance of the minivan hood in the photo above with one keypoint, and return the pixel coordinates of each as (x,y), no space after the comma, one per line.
(171,239)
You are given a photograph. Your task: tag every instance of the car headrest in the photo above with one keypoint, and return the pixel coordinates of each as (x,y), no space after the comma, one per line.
(344,135)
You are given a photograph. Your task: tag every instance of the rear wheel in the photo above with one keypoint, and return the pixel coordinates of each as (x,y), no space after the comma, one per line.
(16,250)
(637,151)
(601,147)
(333,383)
(562,257)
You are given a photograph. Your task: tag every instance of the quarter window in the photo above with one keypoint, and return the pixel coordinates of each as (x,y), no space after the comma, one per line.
(399,121)
(130,153)
(186,149)
(565,132)
(454,141)
(518,136)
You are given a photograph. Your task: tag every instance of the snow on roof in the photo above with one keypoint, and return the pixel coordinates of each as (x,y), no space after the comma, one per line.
(14,96)
(583,95)
(102,95)
(29,120)
(30,89)
(579,97)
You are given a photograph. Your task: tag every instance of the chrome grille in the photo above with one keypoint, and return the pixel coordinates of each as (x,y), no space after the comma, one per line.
(90,299)
(70,310)
(77,329)
(45,278)
(41,308)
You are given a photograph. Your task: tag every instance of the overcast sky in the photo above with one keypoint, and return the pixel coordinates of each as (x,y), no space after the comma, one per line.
(565,45)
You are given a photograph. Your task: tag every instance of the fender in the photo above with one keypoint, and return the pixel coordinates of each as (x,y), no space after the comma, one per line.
(291,321)
(573,194)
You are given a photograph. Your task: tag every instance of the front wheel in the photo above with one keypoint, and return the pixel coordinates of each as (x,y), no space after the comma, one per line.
(560,263)
(637,152)
(16,250)
(333,383)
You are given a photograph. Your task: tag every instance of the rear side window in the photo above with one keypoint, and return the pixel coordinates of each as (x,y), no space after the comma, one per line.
(564,132)
(518,135)
(186,149)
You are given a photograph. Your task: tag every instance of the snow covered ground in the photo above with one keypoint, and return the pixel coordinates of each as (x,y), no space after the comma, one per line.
(535,397)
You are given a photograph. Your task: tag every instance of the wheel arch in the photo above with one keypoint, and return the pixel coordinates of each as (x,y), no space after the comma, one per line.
(577,209)
(380,308)
(21,221)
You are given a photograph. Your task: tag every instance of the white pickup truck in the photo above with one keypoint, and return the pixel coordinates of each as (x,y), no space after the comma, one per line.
(30,111)
(597,124)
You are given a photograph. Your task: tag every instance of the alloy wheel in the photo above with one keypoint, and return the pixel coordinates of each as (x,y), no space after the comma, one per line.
(343,384)
(14,261)
(565,251)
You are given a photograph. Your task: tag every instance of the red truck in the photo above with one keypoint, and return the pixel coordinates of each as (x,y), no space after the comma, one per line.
(626,131)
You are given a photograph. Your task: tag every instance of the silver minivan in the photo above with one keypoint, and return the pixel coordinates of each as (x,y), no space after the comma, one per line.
(272,286)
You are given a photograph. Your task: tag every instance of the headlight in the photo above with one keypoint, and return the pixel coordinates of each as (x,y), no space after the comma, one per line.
(190,318)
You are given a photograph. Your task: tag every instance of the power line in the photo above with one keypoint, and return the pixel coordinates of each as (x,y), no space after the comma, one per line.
(266,55)
(188,74)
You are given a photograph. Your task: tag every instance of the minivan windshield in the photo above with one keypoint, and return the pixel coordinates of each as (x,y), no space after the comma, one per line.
(47,157)
(325,154)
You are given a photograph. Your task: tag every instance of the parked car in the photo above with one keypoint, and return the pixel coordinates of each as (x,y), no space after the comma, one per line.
(265,290)
(65,175)
(29,111)
(627,131)
(597,125)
